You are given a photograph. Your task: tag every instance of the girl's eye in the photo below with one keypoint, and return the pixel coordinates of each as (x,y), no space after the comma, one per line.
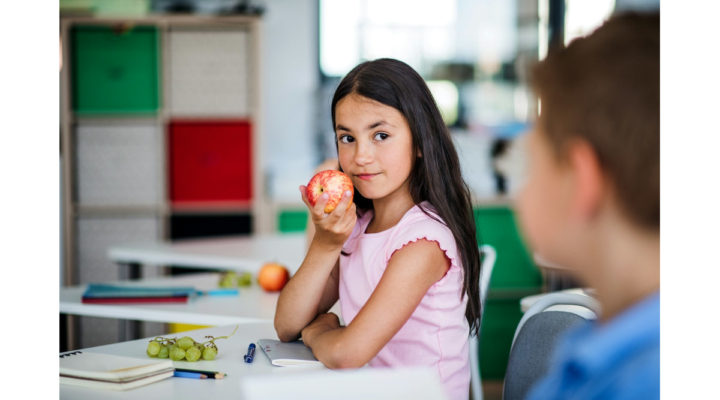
(381,136)
(346,139)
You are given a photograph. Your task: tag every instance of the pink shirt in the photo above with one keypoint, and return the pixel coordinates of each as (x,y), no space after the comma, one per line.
(436,335)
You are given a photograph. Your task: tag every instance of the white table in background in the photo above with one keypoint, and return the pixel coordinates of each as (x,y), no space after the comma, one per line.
(241,253)
(253,304)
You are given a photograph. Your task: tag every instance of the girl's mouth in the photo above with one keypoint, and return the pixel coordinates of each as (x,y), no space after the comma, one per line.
(366,177)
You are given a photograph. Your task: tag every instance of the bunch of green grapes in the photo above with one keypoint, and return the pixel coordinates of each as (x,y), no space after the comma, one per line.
(184,348)
(231,279)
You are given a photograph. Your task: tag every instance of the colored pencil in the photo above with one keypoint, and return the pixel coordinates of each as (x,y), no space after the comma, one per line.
(193,375)
(210,374)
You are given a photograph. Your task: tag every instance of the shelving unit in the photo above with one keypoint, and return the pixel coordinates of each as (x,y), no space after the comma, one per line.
(160,128)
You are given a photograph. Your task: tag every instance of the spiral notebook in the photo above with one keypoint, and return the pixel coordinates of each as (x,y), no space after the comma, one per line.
(286,354)
(106,371)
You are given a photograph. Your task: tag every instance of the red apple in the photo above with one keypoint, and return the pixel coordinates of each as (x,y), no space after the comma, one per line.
(332,182)
(273,277)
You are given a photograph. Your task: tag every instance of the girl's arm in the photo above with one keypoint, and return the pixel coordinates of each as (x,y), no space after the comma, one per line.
(411,271)
(314,287)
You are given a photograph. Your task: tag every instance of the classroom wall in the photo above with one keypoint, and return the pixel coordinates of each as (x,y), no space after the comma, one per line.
(290,79)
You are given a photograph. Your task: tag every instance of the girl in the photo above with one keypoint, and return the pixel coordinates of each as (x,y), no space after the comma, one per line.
(403,260)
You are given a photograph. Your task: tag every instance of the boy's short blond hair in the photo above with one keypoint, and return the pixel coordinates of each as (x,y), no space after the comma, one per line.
(605,89)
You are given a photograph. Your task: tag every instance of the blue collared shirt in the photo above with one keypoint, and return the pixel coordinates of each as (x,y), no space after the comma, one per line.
(619,359)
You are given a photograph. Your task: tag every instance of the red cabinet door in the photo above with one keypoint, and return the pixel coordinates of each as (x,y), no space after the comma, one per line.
(210,161)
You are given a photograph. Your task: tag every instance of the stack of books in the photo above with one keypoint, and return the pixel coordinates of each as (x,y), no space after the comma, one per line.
(120,294)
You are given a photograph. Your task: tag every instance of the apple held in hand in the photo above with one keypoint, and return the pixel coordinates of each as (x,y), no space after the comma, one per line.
(332,182)
(273,277)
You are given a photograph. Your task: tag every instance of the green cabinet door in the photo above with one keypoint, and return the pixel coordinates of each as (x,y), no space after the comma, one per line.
(115,71)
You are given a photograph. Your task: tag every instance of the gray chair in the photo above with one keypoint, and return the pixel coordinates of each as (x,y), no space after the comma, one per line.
(537,337)
(485,274)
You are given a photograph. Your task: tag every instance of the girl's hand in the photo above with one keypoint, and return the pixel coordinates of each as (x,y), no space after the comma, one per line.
(333,229)
(321,323)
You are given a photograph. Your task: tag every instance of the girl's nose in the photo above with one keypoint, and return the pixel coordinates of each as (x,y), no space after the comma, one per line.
(363,153)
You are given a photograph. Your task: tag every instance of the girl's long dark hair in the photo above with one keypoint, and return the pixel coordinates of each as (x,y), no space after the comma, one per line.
(435,176)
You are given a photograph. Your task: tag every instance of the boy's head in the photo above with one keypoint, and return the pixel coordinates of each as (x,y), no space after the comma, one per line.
(595,152)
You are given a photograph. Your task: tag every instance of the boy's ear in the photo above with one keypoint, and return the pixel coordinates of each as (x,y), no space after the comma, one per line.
(589,179)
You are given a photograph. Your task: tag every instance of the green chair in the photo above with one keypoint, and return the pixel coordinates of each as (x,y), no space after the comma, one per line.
(514,276)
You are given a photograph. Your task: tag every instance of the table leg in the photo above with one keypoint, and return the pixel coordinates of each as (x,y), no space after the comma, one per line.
(556,280)
(129,329)
(129,271)
(69,332)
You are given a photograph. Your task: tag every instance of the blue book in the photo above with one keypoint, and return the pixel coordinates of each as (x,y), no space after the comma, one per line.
(95,290)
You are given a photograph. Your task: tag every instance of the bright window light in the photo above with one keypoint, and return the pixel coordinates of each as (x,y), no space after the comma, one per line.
(543,34)
(410,13)
(418,32)
(583,16)
(446,96)
(339,36)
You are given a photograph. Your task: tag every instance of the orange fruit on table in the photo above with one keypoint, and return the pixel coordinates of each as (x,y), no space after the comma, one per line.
(273,277)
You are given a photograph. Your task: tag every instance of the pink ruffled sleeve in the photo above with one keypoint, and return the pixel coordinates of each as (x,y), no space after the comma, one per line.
(423,227)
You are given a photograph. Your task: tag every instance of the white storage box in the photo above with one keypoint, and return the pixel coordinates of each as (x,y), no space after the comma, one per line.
(208,69)
(118,164)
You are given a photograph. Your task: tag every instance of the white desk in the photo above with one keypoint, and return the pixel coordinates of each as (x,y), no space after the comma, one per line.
(262,380)
(245,253)
(229,360)
(252,305)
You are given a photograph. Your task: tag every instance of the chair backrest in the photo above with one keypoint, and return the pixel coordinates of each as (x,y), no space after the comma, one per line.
(536,339)
(489,257)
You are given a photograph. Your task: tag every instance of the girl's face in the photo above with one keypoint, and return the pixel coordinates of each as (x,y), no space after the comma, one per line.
(375,147)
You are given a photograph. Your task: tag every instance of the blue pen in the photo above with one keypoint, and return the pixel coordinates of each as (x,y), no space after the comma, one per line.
(250,354)
(193,375)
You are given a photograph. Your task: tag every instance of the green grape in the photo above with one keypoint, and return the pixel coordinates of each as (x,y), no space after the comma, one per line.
(192,354)
(228,280)
(150,355)
(245,279)
(185,342)
(177,354)
(153,348)
(164,352)
(209,353)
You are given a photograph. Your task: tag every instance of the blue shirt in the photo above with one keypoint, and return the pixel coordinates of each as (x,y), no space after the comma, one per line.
(619,359)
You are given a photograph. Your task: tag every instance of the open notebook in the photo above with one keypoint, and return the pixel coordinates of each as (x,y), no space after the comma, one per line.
(287,354)
(105,371)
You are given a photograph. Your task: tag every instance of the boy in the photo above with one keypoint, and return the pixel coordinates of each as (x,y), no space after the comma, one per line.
(592,203)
